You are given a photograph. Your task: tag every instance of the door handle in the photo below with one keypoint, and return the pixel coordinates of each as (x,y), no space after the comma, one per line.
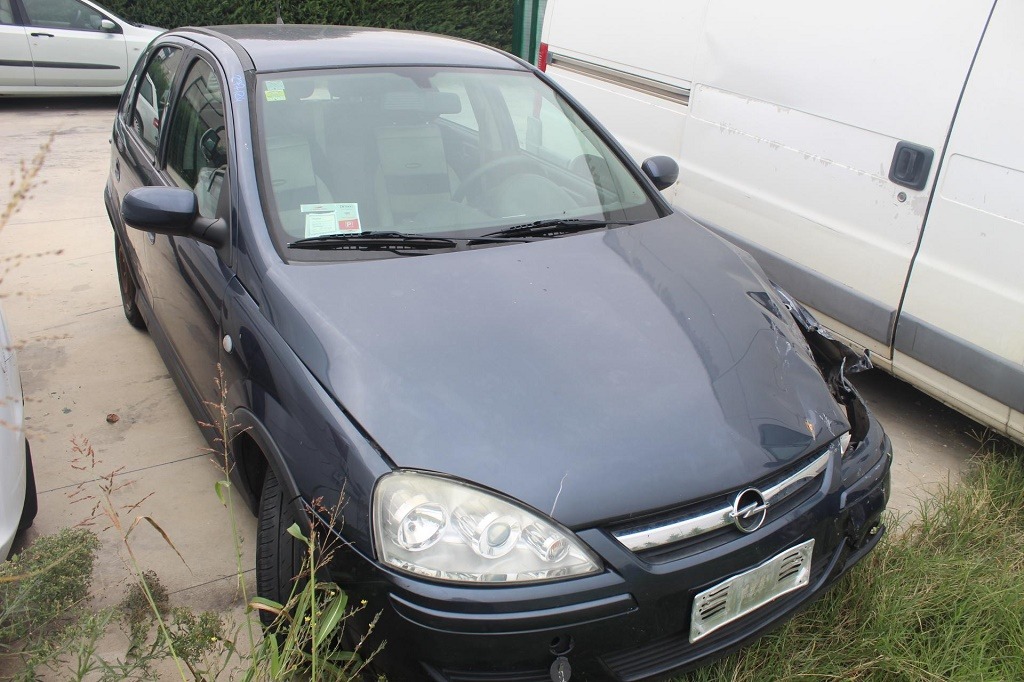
(42,35)
(910,165)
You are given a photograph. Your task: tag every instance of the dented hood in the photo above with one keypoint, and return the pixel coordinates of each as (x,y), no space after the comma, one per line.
(593,377)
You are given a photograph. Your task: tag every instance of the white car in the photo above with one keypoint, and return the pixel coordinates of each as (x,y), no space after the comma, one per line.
(17,481)
(67,47)
(146,118)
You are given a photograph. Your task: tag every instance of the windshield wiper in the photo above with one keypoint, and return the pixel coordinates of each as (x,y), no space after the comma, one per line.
(552,227)
(379,239)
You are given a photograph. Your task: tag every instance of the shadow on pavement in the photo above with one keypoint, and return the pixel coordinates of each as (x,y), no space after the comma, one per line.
(901,407)
(71,105)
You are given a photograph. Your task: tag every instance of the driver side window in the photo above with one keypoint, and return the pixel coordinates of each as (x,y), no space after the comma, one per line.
(63,14)
(6,13)
(197,146)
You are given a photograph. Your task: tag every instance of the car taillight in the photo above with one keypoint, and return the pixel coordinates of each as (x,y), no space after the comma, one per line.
(542,57)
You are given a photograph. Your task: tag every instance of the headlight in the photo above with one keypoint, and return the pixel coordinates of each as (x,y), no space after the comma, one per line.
(440,528)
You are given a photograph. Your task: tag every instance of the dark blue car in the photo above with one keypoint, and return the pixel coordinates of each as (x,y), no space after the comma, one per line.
(577,434)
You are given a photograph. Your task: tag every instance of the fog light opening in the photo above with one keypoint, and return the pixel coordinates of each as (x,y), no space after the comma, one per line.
(562,645)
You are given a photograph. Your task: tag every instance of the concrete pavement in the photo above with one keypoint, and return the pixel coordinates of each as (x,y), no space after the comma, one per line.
(81,361)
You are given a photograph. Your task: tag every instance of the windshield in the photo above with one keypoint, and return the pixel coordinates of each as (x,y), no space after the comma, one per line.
(430,151)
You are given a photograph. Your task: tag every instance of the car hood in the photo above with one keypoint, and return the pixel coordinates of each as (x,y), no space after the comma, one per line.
(594,377)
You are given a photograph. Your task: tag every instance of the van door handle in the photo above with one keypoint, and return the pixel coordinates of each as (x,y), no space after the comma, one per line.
(42,35)
(910,165)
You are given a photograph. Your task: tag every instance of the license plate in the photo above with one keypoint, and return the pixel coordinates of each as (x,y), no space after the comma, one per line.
(736,597)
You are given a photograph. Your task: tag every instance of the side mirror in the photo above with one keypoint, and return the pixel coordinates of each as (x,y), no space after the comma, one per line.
(172,211)
(662,170)
(107,25)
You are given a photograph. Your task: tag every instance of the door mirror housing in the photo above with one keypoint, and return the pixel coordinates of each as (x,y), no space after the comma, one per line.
(662,170)
(107,25)
(172,211)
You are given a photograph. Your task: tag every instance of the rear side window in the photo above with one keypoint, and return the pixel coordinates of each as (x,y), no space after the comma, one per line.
(197,141)
(150,106)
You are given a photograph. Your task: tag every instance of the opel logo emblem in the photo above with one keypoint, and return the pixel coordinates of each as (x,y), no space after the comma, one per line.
(749,510)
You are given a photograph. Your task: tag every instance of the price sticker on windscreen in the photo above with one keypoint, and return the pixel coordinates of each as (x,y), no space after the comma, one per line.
(326,219)
(275,91)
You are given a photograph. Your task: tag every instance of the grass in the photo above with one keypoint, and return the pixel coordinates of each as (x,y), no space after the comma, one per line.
(943,600)
(45,583)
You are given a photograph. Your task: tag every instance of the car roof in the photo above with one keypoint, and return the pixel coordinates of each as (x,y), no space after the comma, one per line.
(289,47)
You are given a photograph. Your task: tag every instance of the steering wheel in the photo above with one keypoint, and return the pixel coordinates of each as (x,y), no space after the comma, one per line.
(468,186)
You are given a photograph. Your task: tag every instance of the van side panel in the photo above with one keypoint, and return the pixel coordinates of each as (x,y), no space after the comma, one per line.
(964,306)
(655,39)
(645,124)
(795,113)
(631,64)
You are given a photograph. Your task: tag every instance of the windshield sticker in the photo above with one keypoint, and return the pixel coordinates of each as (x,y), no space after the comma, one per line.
(326,219)
(274,91)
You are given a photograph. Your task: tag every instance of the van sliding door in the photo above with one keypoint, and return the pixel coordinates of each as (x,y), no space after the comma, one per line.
(796,113)
(961,329)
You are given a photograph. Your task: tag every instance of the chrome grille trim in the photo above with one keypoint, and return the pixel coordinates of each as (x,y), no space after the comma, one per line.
(688,527)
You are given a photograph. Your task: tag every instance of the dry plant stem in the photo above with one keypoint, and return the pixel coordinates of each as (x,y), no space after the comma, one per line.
(108,487)
(25,181)
(20,187)
(223,488)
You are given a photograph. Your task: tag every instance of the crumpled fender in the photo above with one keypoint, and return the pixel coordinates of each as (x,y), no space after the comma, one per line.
(836,360)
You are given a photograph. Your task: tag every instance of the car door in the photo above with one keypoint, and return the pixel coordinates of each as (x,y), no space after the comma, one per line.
(15,53)
(188,278)
(961,329)
(137,150)
(71,47)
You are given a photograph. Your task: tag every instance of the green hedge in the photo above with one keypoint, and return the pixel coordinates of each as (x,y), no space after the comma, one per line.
(486,21)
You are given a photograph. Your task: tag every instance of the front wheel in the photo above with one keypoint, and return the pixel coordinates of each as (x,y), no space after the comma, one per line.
(279,556)
(129,288)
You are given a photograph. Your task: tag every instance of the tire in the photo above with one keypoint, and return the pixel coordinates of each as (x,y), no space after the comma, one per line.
(129,288)
(279,556)
(28,512)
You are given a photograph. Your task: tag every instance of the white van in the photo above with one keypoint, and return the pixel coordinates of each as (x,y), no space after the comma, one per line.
(870,156)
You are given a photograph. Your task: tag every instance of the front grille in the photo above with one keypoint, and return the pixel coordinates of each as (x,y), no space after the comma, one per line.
(685,548)
(698,527)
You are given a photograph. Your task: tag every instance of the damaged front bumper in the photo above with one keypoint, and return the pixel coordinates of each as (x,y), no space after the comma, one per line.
(632,621)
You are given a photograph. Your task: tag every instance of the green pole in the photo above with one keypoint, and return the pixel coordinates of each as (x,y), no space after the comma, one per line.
(526,24)
(519,28)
